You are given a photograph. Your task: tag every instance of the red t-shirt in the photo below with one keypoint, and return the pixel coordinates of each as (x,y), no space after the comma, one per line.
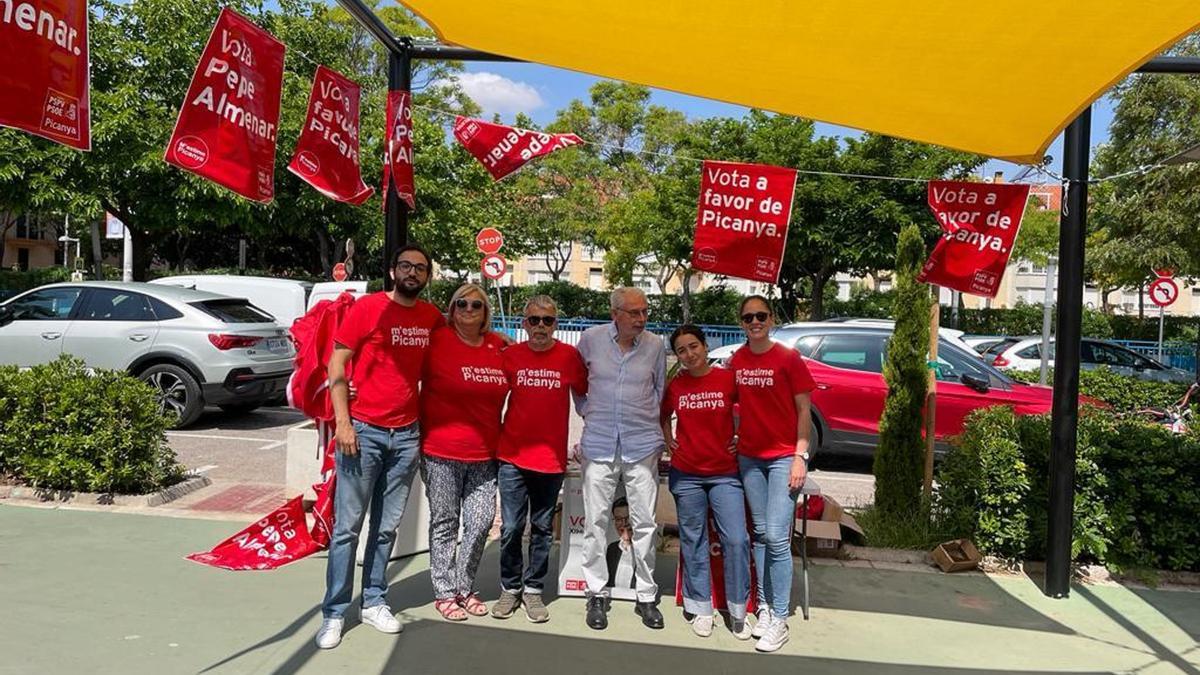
(463,394)
(703,407)
(767,386)
(389,342)
(539,409)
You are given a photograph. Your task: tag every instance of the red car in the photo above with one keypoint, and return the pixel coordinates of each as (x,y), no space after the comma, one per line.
(846,360)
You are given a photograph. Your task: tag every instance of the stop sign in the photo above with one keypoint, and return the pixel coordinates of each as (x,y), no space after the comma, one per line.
(489,240)
(339,272)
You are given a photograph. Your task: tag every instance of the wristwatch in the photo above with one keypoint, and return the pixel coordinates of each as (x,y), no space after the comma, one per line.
(804,455)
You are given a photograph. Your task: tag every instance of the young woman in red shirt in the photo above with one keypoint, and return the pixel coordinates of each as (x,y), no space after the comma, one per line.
(704,478)
(463,393)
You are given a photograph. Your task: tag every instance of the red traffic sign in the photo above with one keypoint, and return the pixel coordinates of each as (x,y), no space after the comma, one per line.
(1163,291)
(339,272)
(1164,272)
(494,266)
(489,240)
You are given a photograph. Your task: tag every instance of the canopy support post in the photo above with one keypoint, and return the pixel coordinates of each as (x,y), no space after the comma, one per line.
(395,210)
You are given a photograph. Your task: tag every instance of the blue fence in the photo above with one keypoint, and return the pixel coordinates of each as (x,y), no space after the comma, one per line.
(1176,355)
(569,330)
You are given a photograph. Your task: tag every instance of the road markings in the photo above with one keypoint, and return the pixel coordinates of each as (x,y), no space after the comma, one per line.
(213,437)
(274,445)
(203,469)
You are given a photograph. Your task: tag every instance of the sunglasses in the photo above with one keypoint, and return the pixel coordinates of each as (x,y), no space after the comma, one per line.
(542,320)
(463,303)
(751,317)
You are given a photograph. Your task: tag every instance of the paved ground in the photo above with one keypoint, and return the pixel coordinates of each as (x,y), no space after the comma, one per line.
(102,592)
(244,455)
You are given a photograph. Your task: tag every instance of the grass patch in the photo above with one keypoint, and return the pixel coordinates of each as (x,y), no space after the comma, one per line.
(917,532)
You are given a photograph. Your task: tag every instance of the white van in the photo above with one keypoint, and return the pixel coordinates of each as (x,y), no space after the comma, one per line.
(328,290)
(284,299)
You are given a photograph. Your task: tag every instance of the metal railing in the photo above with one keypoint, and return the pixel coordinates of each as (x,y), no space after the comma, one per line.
(569,330)
(1177,355)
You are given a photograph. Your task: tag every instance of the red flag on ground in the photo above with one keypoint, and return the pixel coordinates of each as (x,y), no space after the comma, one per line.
(398,164)
(326,155)
(503,149)
(742,223)
(44,70)
(979,224)
(278,539)
(228,122)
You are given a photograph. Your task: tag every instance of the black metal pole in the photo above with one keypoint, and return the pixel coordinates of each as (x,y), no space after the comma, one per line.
(395,211)
(1065,412)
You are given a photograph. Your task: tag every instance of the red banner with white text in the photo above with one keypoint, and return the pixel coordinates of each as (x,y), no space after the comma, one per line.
(44,70)
(503,149)
(281,537)
(398,164)
(226,131)
(979,224)
(742,223)
(326,155)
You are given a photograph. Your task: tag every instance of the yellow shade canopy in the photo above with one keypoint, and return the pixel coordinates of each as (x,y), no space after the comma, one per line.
(997,78)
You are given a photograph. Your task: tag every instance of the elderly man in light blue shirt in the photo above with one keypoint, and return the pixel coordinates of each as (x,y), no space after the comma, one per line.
(622,440)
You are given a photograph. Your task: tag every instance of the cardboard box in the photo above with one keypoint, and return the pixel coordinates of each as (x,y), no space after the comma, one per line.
(956,556)
(825,536)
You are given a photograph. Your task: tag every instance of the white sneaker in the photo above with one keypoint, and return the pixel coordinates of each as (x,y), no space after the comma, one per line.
(381,617)
(776,635)
(741,630)
(762,621)
(330,634)
(702,625)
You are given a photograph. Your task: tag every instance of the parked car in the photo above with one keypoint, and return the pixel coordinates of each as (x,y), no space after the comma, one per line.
(194,348)
(846,361)
(1026,354)
(284,299)
(981,343)
(952,334)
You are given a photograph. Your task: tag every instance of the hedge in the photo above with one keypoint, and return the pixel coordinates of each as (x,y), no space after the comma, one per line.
(66,427)
(1122,392)
(1137,496)
(12,280)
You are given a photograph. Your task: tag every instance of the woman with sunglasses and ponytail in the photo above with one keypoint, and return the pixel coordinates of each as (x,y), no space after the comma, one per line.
(462,395)
(773,386)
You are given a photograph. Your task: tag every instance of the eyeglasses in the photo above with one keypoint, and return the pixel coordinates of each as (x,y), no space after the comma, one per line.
(404,267)
(463,303)
(542,320)
(636,312)
(751,317)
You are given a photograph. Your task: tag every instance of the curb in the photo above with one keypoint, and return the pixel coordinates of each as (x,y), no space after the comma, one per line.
(164,496)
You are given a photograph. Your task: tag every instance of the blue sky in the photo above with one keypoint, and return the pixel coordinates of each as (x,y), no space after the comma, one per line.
(540,91)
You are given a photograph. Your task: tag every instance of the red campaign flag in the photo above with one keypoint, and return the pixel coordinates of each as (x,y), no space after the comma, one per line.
(742,223)
(44,70)
(503,149)
(326,155)
(228,122)
(979,224)
(279,538)
(398,164)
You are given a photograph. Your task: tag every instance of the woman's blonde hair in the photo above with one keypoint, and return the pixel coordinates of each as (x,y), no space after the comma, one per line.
(462,292)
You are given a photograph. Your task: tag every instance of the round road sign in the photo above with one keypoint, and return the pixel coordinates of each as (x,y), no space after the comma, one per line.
(339,272)
(489,240)
(1163,291)
(494,266)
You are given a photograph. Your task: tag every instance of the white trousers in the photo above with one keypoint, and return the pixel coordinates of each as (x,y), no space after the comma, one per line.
(600,480)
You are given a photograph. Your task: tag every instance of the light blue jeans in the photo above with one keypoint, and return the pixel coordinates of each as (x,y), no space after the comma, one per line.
(773,510)
(695,496)
(381,475)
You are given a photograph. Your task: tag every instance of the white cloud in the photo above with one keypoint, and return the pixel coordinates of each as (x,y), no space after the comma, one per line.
(498,94)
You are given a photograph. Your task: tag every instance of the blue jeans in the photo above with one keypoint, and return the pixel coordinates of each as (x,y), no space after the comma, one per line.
(694,497)
(381,473)
(773,510)
(532,494)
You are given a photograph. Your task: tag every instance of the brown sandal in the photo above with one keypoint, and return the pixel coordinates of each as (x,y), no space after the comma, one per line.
(472,604)
(449,609)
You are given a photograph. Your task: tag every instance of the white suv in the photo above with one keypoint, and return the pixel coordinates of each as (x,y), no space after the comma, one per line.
(194,348)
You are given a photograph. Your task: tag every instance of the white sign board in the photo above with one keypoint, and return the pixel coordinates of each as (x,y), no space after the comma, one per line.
(113,227)
(618,552)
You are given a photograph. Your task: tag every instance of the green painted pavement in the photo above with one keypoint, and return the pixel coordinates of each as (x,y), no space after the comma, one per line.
(100,592)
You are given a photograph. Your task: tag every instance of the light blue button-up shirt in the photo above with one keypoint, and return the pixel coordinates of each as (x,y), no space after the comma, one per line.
(625,389)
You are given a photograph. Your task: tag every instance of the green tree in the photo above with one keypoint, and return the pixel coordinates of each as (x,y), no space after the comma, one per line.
(900,456)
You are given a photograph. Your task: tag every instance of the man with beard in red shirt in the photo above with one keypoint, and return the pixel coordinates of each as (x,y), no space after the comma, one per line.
(380,346)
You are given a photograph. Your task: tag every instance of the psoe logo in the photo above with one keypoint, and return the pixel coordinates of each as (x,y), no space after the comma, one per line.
(308,164)
(706,257)
(191,152)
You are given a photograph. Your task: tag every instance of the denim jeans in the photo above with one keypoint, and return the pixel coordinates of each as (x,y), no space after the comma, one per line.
(695,496)
(773,510)
(532,494)
(381,475)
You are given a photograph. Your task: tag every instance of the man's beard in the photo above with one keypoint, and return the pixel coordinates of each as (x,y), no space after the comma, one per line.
(410,293)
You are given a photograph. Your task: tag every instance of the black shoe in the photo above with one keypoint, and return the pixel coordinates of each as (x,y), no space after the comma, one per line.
(651,617)
(597,613)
